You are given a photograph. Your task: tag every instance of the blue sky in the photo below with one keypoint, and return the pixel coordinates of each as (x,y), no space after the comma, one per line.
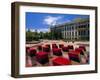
(42,21)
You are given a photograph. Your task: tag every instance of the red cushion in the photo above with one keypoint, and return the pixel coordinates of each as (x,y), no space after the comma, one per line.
(61,61)
(42,57)
(32,50)
(56,50)
(79,49)
(41,54)
(74,52)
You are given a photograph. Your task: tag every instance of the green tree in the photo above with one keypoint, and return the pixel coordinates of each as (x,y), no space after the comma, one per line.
(29,36)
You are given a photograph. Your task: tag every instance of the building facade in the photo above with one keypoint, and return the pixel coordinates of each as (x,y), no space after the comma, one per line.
(71,31)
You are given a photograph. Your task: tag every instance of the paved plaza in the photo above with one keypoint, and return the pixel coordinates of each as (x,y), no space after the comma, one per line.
(84,59)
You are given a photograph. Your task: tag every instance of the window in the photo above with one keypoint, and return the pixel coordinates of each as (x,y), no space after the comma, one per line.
(72,33)
(75,33)
(72,27)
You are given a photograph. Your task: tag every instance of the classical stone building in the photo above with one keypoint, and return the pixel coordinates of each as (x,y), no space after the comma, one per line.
(76,30)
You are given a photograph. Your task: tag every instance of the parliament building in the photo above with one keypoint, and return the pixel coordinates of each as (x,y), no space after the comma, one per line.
(73,31)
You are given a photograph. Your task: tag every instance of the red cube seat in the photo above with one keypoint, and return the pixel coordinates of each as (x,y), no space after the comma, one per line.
(83,47)
(39,47)
(61,45)
(57,51)
(42,57)
(32,52)
(46,49)
(80,50)
(65,49)
(74,56)
(61,61)
(70,47)
(48,45)
(54,46)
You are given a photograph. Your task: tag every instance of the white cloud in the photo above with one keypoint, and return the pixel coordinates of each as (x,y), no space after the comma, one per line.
(43,30)
(50,20)
(66,21)
(38,30)
(32,30)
